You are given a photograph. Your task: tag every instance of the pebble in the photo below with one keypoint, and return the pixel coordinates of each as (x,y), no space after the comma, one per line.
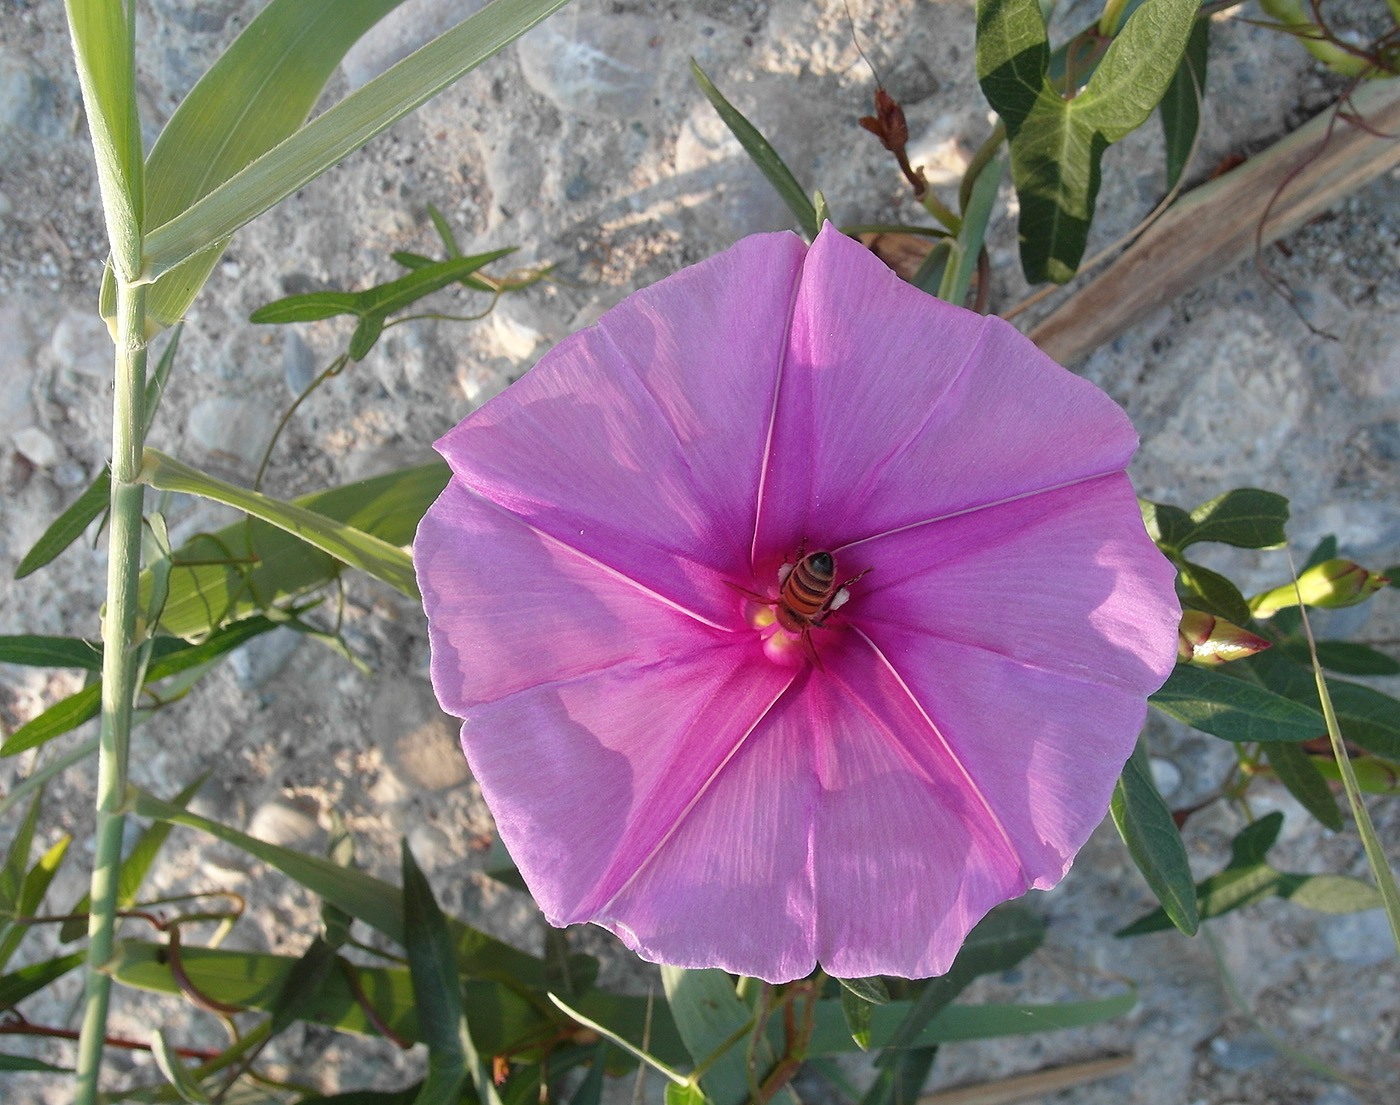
(1362,939)
(1166,775)
(233,428)
(1243,1052)
(26,97)
(600,66)
(81,343)
(418,741)
(256,663)
(16,409)
(279,822)
(298,363)
(37,447)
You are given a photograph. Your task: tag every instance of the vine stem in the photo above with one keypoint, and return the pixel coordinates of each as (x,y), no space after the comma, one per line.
(119,669)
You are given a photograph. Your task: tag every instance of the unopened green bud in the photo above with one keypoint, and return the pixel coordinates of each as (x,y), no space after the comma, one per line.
(1330,584)
(1205,639)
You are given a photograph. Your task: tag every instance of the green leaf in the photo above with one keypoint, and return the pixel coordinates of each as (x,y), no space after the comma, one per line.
(19,1062)
(1347,657)
(1213,593)
(296,999)
(1057,144)
(1246,517)
(1169,526)
(175,1072)
(344,542)
(858,1012)
(962,1022)
(339,131)
(1368,718)
(437,991)
(1325,550)
(374,305)
(709,1015)
(51,652)
(1180,108)
(256,94)
(62,717)
(376,903)
(999,941)
(1230,708)
(103,33)
(872,989)
(763,155)
(590,1090)
(31,895)
(68,526)
(682,1093)
(17,858)
(967,246)
(1146,825)
(900,1076)
(254,980)
(206,590)
(1296,771)
(169,657)
(1248,878)
(18,985)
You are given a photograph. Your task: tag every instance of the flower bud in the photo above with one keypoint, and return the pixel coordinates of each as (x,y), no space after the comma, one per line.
(1330,584)
(1205,639)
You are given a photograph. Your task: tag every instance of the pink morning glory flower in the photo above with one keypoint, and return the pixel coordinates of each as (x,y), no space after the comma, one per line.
(688,730)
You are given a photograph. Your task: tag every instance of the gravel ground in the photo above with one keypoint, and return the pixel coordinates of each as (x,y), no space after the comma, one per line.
(618,173)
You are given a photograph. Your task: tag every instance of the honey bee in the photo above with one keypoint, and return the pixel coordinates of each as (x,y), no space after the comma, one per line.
(808,593)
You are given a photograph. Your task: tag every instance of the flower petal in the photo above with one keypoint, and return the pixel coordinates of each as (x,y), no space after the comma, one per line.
(639,441)
(512,608)
(1066,581)
(732,886)
(588,777)
(947,410)
(907,857)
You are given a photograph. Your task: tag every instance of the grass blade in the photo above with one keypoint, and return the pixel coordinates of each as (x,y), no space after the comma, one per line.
(340,131)
(763,155)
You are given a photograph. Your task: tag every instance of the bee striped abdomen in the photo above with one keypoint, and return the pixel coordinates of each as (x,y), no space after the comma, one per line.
(807,592)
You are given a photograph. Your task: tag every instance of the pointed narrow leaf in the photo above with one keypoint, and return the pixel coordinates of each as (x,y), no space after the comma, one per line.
(339,131)
(967,246)
(175,1071)
(763,155)
(31,895)
(251,566)
(18,985)
(1180,108)
(376,903)
(68,526)
(1147,828)
(1296,771)
(256,94)
(858,1012)
(355,547)
(709,1013)
(51,652)
(1232,709)
(62,717)
(17,858)
(1001,940)
(872,990)
(103,36)
(437,991)
(1347,657)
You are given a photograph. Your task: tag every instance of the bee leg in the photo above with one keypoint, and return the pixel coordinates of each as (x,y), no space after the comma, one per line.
(809,650)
